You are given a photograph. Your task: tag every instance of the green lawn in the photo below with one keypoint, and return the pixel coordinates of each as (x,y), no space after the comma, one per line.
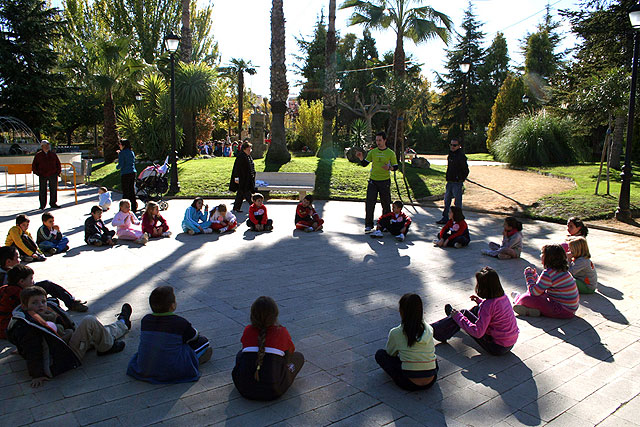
(481,156)
(582,201)
(337,179)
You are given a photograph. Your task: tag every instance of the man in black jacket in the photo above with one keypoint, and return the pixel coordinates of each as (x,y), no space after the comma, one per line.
(243,177)
(457,172)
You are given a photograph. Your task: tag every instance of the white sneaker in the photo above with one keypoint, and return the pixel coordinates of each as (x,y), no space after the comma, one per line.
(166,234)
(377,233)
(457,245)
(207,231)
(308,229)
(222,230)
(400,237)
(367,230)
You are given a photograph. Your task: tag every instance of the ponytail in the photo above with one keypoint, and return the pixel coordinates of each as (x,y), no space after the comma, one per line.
(262,338)
(264,313)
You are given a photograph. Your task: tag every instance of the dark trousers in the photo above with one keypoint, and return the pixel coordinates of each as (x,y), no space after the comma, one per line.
(446,328)
(128,189)
(280,370)
(267,227)
(29,243)
(100,237)
(392,227)
(463,240)
(373,189)
(241,195)
(392,365)
(52,183)
(57,291)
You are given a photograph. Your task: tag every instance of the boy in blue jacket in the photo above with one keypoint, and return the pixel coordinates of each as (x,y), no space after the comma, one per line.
(170,350)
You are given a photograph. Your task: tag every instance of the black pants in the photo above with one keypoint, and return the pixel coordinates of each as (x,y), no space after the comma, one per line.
(267,227)
(128,189)
(276,374)
(57,291)
(100,237)
(446,328)
(464,240)
(52,183)
(29,243)
(373,189)
(392,365)
(392,227)
(241,195)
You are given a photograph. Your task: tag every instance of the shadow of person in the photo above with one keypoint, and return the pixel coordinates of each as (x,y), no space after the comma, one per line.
(599,303)
(609,292)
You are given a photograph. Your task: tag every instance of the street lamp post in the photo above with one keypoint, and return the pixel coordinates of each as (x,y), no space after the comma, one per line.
(464,68)
(623,213)
(171,42)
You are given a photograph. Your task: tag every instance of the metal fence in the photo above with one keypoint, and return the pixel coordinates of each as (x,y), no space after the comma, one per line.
(19,178)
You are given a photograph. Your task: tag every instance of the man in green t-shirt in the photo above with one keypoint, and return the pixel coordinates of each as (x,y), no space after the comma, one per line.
(383,160)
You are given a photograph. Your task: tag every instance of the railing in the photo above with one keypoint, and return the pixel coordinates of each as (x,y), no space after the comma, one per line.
(24,171)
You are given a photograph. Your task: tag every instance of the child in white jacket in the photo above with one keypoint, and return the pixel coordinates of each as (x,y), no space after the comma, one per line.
(511,246)
(222,220)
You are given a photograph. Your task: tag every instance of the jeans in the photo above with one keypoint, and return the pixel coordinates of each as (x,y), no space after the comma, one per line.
(392,365)
(452,190)
(58,245)
(446,328)
(373,189)
(53,189)
(128,190)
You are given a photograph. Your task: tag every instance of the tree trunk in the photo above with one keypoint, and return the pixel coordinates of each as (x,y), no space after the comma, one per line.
(240,101)
(186,43)
(329,96)
(616,148)
(110,137)
(278,152)
(395,137)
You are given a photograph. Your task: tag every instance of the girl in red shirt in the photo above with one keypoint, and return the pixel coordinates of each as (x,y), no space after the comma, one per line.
(455,232)
(268,363)
(153,223)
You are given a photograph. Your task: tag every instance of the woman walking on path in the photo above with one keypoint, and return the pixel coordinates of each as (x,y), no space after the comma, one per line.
(243,177)
(127,166)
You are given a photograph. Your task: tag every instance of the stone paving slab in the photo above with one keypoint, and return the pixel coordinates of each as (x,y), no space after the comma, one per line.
(338,293)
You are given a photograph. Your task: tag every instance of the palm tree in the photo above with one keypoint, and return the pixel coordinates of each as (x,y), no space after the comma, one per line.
(329,95)
(420,24)
(186,42)
(237,69)
(278,152)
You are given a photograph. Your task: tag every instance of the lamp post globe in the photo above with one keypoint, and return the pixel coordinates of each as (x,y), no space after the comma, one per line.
(465,66)
(171,42)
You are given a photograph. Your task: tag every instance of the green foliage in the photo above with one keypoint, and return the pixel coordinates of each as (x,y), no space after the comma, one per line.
(309,125)
(508,104)
(534,140)
(492,73)
(311,64)
(425,138)
(359,133)
(540,57)
(204,48)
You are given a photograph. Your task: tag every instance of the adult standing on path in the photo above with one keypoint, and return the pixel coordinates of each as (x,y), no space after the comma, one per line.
(243,176)
(47,166)
(383,161)
(127,166)
(457,172)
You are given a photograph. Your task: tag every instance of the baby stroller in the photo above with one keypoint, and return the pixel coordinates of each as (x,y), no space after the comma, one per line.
(152,184)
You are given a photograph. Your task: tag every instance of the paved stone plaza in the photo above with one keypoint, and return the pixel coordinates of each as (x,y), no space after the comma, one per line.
(338,292)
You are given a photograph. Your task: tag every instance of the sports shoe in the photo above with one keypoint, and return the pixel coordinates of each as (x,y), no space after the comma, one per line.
(166,234)
(52,251)
(442,221)
(125,314)
(367,230)
(526,311)
(78,306)
(117,347)
(457,245)
(143,240)
(207,231)
(400,237)
(38,257)
(515,295)
(503,256)
(308,229)
(448,309)
(223,230)
(191,232)
(377,233)
(205,356)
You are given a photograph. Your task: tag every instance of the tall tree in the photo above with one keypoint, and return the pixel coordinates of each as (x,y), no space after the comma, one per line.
(329,97)
(492,73)
(278,152)
(541,57)
(186,42)
(204,48)
(29,83)
(419,24)
(312,62)
(236,70)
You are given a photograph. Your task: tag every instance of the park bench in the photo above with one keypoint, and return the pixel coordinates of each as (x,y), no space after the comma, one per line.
(302,182)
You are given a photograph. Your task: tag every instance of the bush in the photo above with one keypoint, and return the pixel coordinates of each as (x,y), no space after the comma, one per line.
(425,138)
(309,126)
(536,140)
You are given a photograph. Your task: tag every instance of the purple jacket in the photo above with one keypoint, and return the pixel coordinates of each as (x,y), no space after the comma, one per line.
(495,318)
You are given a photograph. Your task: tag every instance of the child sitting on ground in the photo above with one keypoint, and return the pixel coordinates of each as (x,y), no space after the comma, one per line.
(491,322)
(21,239)
(268,362)
(125,221)
(153,223)
(511,246)
(222,220)
(50,238)
(170,349)
(15,277)
(554,292)
(104,198)
(455,232)
(46,338)
(410,356)
(258,220)
(581,267)
(195,221)
(575,228)
(95,232)
(307,219)
(395,222)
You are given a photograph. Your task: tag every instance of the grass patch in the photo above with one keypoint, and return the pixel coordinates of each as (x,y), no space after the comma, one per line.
(335,179)
(485,157)
(582,200)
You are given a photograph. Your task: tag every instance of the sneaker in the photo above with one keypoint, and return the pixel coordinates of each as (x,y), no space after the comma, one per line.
(308,229)
(39,258)
(166,234)
(27,258)
(205,356)
(223,230)
(377,233)
(66,248)
(125,314)
(117,347)
(486,252)
(207,231)
(400,237)
(78,306)
(448,309)
(367,230)
(435,242)
(191,232)
(515,295)
(442,221)
(457,245)
(526,311)
(52,251)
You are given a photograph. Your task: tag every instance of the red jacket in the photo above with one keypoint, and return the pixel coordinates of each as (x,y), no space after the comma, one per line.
(9,300)
(254,210)
(148,224)
(449,227)
(46,164)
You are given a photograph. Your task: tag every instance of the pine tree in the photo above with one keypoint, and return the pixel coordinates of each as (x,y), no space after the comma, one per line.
(508,104)
(492,73)
(541,58)
(29,85)
(312,69)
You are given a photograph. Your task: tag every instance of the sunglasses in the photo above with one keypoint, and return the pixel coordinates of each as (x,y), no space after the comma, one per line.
(454,145)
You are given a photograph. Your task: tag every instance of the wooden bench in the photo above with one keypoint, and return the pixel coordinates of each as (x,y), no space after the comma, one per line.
(302,182)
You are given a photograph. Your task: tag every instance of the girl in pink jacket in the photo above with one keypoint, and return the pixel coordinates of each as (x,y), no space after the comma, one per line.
(128,224)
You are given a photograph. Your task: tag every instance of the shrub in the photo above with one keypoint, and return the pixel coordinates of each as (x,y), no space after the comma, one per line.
(535,140)
(309,125)
(507,105)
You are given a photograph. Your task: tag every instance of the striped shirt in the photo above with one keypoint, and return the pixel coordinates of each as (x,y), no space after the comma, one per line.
(560,286)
